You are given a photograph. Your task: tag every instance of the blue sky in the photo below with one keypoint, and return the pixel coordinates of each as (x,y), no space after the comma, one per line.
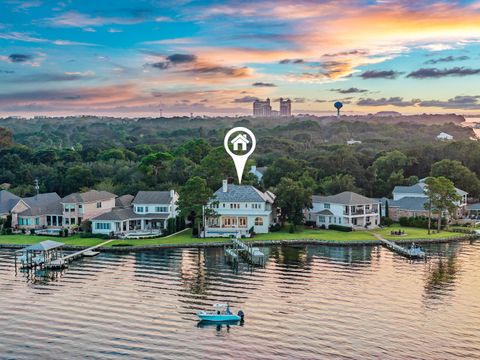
(134,58)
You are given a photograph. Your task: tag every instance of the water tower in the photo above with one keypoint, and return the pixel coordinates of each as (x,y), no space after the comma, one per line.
(338,105)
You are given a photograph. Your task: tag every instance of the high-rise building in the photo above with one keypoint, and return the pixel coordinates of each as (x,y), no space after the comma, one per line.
(285,107)
(262,108)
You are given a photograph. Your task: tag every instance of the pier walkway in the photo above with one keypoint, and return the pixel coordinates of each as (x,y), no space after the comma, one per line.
(252,255)
(411,253)
(63,261)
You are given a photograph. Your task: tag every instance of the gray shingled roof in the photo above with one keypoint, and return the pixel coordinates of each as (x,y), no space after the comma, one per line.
(344,198)
(7,201)
(124,200)
(418,188)
(54,208)
(411,203)
(152,197)
(121,214)
(88,196)
(413,189)
(475,206)
(41,199)
(42,204)
(241,193)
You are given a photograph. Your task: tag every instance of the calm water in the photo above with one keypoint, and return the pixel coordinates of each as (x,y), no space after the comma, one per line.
(309,302)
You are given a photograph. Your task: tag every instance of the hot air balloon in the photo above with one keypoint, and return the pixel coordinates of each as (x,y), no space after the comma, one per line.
(338,105)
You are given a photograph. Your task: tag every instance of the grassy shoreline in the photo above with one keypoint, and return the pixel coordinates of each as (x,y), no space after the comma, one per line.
(185,238)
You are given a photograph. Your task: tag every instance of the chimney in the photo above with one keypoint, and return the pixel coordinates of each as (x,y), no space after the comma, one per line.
(225,186)
(172,194)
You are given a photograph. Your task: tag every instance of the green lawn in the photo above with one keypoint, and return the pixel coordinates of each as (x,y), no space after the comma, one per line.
(186,238)
(330,235)
(32,239)
(413,233)
(182,238)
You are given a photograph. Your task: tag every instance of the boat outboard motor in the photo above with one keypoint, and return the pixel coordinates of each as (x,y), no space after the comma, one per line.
(241,314)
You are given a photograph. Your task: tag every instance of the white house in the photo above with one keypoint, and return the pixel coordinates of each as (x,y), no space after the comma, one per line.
(444,136)
(240,142)
(239,209)
(346,209)
(258,171)
(353,142)
(147,213)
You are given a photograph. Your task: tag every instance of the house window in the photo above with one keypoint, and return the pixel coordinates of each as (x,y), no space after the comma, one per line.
(160,209)
(102,226)
(146,209)
(321,219)
(339,220)
(242,222)
(99,205)
(140,209)
(67,221)
(72,221)
(326,206)
(37,221)
(258,221)
(80,206)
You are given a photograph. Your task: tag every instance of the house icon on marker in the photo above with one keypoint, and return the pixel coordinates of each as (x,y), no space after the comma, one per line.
(240,142)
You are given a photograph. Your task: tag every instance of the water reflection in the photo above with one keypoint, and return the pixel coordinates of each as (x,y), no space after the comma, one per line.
(308,302)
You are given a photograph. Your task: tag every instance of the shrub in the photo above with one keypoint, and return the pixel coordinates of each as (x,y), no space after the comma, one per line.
(418,221)
(275,227)
(291,229)
(310,223)
(340,228)
(86,226)
(386,221)
(32,231)
(65,232)
(96,236)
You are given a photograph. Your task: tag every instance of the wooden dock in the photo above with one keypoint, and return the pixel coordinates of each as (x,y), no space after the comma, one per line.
(238,249)
(408,253)
(65,260)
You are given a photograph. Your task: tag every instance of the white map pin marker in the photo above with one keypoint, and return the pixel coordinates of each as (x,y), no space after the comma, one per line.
(240,143)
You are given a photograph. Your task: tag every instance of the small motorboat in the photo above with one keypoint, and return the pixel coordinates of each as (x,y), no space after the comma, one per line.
(416,252)
(221,313)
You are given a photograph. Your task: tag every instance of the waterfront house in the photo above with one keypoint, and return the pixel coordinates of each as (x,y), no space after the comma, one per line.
(240,209)
(86,205)
(38,212)
(353,142)
(7,202)
(258,171)
(148,212)
(411,201)
(444,136)
(346,209)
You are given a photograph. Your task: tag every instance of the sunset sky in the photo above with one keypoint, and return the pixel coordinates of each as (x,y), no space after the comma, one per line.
(214,57)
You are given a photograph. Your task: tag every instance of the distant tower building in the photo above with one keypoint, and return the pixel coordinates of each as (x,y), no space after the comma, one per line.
(285,107)
(262,108)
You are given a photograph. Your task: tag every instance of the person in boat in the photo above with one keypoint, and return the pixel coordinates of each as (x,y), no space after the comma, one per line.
(228,311)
